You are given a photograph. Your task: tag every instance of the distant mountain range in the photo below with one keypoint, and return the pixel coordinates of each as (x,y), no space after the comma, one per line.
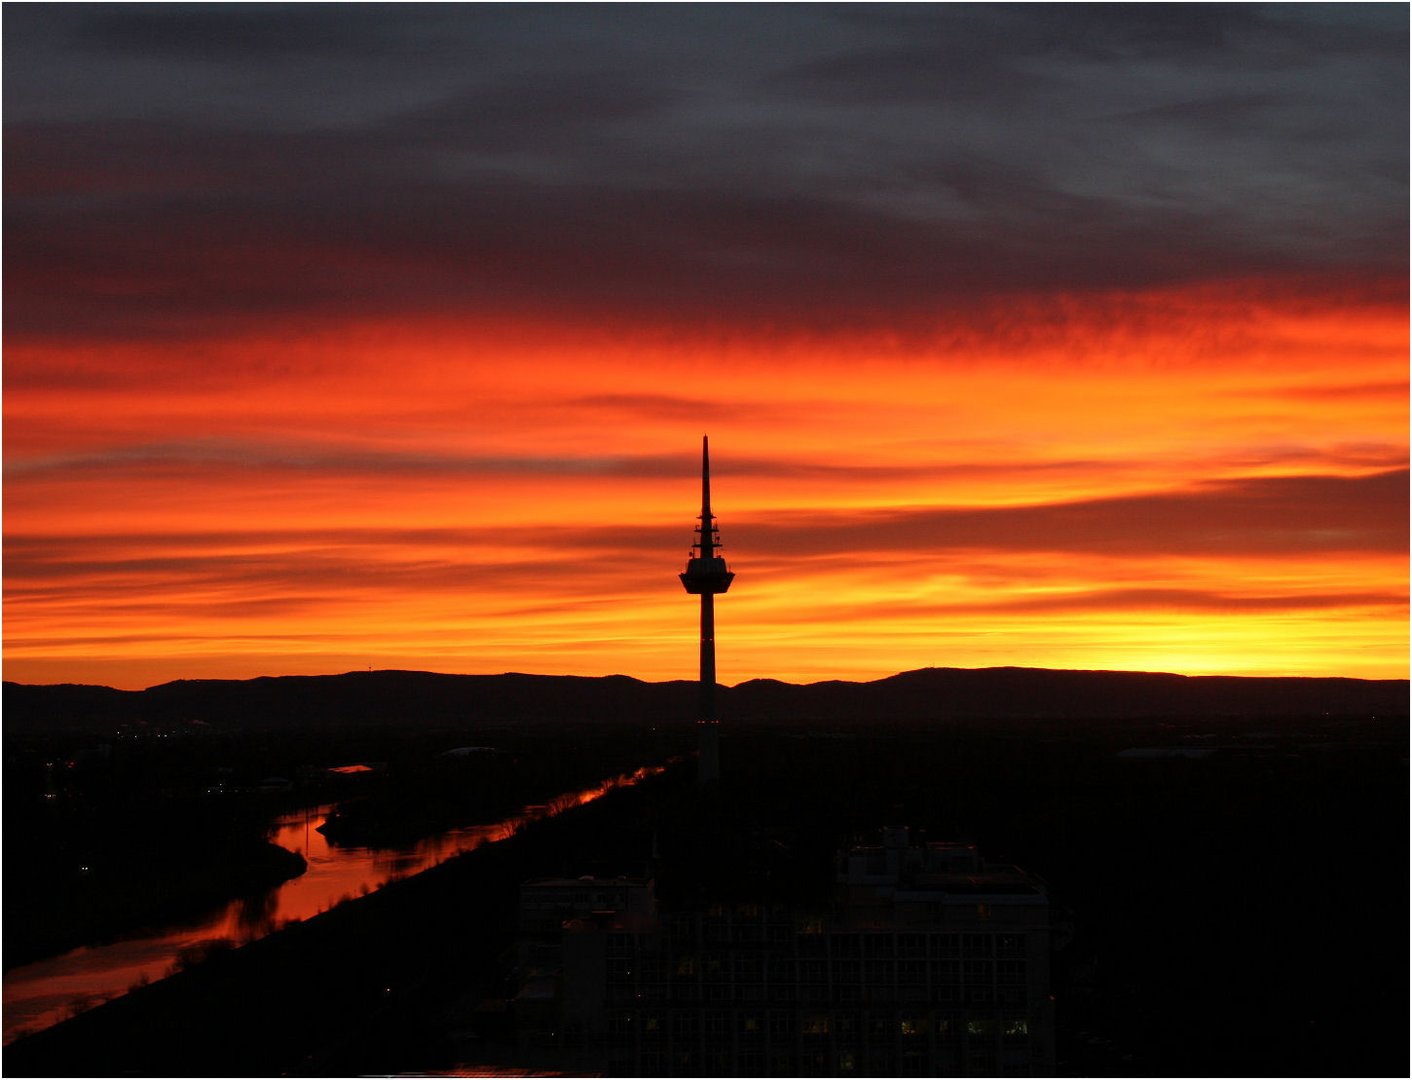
(423,699)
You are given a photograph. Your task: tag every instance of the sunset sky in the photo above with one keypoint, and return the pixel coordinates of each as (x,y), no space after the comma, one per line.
(349,336)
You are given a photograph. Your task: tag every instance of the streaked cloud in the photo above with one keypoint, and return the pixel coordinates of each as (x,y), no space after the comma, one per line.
(842,169)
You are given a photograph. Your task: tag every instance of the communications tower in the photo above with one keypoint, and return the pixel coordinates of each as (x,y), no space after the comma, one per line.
(705,576)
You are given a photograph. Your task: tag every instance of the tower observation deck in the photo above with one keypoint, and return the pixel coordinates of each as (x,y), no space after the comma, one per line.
(705,576)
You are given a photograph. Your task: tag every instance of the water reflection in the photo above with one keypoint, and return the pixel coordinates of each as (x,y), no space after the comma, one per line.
(255,915)
(41,994)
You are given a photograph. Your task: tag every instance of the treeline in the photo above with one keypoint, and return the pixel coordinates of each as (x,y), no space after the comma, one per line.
(382,700)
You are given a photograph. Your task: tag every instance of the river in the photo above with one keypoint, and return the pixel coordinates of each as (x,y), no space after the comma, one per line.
(41,994)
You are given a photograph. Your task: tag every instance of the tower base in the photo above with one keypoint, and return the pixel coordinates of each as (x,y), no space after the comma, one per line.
(708,761)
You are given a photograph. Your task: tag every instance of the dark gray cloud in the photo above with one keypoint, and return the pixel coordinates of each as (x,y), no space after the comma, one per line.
(1109,601)
(217,455)
(1259,518)
(231,32)
(555,113)
(208,459)
(948,71)
(175,166)
(1295,515)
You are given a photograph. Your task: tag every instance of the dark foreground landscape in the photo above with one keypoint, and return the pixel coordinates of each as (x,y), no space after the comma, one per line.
(1225,859)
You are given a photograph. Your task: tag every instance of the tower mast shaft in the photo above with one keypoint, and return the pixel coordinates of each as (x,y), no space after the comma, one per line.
(706,575)
(708,659)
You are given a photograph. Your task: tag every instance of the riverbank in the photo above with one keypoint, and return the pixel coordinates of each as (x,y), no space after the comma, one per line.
(148,892)
(104,841)
(378,984)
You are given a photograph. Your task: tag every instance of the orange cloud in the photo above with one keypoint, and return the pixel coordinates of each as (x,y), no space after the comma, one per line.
(1192,478)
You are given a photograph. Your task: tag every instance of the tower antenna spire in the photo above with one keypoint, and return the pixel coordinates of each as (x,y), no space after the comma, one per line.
(705,576)
(708,531)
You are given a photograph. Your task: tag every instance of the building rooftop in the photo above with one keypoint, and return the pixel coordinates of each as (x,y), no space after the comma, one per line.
(898,869)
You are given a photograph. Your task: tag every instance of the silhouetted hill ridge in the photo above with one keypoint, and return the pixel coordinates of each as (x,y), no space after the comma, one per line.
(430,699)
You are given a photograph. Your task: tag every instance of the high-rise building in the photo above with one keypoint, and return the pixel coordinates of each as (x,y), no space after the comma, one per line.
(705,576)
(928,961)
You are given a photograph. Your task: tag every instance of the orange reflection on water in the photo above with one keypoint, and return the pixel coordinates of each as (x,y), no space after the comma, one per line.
(39,995)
